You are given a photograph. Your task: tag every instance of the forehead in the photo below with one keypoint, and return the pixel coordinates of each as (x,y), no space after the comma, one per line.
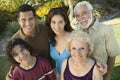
(78,43)
(81,9)
(26,14)
(57,17)
(16,49)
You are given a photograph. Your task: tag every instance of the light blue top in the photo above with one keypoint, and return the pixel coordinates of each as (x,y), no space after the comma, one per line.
(58,57)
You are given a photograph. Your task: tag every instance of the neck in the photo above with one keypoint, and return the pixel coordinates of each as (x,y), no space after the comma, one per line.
(80,62)
(30,64)
(31,34)
(61,35)
(93,21)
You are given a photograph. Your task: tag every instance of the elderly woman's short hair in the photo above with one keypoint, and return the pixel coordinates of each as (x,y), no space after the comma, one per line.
(82,37)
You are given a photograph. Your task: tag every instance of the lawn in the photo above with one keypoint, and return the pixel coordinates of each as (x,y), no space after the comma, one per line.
(115,23)
(4,66)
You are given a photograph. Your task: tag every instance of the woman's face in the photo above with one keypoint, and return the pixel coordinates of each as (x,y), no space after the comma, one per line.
(57,24)
(21,55)
(79,50)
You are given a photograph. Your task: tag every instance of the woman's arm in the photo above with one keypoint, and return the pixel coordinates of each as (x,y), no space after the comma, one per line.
(63,69)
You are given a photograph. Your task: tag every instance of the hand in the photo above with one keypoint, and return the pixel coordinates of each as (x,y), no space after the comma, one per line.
(102,67)
(9,74)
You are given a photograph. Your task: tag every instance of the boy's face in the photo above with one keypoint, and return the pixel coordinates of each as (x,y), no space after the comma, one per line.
(27,22)
(21,55)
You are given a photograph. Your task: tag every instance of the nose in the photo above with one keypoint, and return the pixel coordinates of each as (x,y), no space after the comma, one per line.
(20,56)
(77,51)
(56,25)
(28,22)
(81,19)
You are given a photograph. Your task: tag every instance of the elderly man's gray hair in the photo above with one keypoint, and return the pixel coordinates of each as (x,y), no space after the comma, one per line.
(83,3)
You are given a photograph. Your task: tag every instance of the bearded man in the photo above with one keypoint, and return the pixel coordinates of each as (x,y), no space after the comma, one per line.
(106,47)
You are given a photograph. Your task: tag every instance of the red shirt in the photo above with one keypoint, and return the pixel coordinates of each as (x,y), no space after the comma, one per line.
(41,71)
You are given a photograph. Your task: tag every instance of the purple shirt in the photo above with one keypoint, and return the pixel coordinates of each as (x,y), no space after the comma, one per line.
(69,76)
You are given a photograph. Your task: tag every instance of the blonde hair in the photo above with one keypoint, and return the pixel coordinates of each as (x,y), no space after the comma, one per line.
(83,3)
(81,37)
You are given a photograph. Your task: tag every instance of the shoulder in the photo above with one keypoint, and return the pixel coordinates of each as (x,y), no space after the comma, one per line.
(43,61)
(104,27)
(64,63)
(17,34)
(16,70)
(42,26)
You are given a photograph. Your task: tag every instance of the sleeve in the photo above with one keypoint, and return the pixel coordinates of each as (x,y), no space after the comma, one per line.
(112,45)
(49,71)
(15,74)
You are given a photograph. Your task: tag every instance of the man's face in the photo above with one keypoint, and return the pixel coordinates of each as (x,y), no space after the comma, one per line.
(84,17)
(27,22)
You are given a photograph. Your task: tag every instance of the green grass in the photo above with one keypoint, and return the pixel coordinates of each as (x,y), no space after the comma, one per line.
(116,69)
(4,67)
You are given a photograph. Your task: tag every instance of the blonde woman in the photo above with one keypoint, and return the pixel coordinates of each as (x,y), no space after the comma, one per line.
(79,66)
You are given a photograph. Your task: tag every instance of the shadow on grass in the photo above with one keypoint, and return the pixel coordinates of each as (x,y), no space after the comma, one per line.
(116,73)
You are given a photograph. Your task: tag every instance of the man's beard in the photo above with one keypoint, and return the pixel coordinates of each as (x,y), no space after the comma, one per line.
(88,24)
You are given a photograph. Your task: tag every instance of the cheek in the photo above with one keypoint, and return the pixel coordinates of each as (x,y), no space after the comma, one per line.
(51,25)
(72,51)
(21,24)
(52,28)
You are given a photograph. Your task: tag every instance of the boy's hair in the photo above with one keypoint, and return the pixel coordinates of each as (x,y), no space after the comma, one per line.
(24,8)
(9,49)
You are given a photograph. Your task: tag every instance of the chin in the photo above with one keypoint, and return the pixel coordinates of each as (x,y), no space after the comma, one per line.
(87,24)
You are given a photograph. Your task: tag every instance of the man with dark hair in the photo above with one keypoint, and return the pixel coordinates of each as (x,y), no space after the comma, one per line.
(35,35)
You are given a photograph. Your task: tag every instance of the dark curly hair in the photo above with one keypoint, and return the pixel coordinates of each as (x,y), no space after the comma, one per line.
(9,49)
(63,13)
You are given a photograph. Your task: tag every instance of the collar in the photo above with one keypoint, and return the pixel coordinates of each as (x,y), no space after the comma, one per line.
(24,36)
(95,25)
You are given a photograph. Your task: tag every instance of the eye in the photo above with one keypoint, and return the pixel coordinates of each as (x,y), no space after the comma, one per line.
(31,19)
(73,48)
(82,48)
(15,54)
(53,22)
(62,21)
(23,20)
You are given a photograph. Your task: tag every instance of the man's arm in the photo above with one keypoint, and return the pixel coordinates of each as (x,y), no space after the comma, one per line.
(110,64)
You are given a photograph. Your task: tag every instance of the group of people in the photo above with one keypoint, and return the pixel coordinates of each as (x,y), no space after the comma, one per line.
(54,51)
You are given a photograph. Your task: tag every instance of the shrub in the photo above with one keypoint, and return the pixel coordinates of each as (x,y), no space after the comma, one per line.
(13,27)
(2,24)
(44,9)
